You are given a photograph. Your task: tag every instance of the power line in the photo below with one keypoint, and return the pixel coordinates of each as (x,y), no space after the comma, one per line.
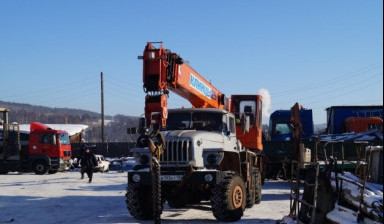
(333,81)
(344,93)
(51,89)
(332,89)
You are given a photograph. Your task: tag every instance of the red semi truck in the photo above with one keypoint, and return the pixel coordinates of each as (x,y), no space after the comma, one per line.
(46,150)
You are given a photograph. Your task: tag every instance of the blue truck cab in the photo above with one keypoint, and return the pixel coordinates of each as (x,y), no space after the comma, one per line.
(280,127)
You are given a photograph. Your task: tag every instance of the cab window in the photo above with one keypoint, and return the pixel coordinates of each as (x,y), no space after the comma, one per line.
(47,139)
(282,128)
(248,108)
(232,128)
(64,139)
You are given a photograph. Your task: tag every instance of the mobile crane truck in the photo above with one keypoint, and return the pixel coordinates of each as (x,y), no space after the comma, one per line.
(212,151)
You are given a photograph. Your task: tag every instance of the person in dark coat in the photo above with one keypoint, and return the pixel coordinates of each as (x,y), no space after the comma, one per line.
(88,162)
(80,156)
(82,148)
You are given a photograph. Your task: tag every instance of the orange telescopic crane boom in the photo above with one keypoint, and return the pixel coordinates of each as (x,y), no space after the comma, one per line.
(164,71)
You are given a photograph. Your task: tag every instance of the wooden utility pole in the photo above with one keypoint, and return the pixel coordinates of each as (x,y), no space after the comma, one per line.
(102,110)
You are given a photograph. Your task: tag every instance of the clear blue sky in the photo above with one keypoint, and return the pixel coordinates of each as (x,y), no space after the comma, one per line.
(317,53)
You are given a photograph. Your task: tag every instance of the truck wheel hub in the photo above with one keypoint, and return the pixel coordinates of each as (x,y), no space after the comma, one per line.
(39,167)
(237,197)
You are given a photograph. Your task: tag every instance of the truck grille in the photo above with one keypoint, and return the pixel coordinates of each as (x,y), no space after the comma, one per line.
(178,152)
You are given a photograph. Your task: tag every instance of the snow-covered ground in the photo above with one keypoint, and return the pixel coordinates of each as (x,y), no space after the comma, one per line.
(65,198)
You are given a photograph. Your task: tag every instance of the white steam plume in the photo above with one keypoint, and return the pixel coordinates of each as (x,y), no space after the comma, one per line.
(267,102)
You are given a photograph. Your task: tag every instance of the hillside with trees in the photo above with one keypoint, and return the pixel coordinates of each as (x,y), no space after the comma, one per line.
(115,126)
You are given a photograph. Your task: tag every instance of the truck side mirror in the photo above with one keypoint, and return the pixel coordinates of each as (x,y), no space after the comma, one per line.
(54,140)
(245,124)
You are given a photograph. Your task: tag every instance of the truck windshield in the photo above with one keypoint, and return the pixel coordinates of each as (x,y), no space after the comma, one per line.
(282,128)
(64,138)
(195,121)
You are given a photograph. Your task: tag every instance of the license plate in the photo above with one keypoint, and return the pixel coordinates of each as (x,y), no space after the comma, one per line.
(171,177)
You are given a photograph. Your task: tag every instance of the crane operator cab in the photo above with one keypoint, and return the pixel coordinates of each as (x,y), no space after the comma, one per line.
(248,107)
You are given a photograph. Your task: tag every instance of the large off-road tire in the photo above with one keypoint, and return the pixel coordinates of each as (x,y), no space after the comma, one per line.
(40,167)
(259,183)
(228,199)
(251,194)
(157,205)
(250,199)
(139,201)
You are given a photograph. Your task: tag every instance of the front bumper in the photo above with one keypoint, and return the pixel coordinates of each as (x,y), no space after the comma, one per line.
(60,164)
(196,177)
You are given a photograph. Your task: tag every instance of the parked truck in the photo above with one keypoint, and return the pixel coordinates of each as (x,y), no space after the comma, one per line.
(211,152)
(277,148)
(45,151)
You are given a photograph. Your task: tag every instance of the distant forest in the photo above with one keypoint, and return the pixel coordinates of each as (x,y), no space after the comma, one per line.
(115,126)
